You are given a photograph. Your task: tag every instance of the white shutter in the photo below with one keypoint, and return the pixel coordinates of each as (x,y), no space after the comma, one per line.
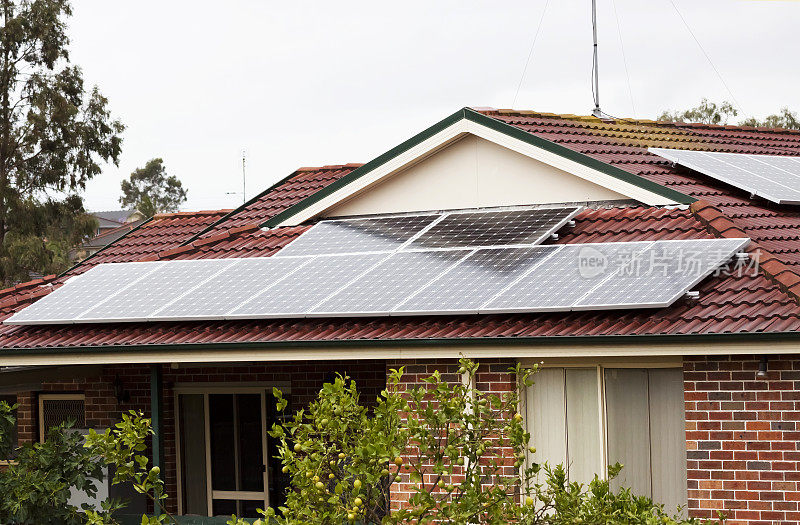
(668,437)
(546,416)
(584,445)
(628,410)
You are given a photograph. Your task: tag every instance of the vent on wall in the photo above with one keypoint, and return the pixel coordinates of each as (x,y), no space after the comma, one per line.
(55,409)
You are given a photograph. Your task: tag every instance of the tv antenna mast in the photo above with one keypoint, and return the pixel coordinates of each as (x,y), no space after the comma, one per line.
(597,112)
(244,179)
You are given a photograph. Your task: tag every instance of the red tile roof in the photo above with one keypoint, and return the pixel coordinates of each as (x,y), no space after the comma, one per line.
(728,304)
(160,233)
(286,193)
(624,144)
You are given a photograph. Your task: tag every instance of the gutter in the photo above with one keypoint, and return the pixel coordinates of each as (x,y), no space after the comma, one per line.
(541,341)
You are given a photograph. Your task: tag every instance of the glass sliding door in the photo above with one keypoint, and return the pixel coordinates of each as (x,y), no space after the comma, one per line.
(589,418)
(192,446)
(237,449)
(223,452)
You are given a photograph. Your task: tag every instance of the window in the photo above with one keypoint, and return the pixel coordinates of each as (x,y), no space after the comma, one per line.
(590,417)
(55,409)
(11,400)
(226,461)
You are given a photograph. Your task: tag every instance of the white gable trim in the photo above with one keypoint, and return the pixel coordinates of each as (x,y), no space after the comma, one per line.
(454,132)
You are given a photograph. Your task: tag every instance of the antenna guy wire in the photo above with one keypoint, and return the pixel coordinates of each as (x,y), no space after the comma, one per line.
(530,52)
(688,28)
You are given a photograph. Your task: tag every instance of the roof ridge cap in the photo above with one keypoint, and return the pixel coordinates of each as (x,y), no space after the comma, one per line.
(330,167)
(189,213)
(634,121)
(768,263)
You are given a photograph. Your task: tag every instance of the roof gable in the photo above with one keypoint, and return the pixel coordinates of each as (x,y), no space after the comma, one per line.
(453,128)
(471,172)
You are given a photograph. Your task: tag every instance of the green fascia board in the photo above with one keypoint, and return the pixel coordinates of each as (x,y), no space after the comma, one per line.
(496,125)
(543,341)
(235,212)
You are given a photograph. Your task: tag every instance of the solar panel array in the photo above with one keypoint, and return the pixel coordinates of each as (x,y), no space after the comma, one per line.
(772,177)
(395,266)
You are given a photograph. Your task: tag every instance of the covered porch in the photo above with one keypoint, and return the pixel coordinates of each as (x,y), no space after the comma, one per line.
(210,421)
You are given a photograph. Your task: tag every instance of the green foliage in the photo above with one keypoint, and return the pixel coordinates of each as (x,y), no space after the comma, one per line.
(54,134)
(41,234)
(559,502)
(783,119)
(710,113)
(340,456)
(150,190)
(36,488)
(7,424)
(706,113)
(124,448)
(343,459)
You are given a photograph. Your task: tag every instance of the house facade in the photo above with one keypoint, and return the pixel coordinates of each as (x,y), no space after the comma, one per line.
(699,398)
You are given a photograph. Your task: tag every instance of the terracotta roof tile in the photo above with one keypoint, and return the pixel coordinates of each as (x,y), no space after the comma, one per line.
(288,192)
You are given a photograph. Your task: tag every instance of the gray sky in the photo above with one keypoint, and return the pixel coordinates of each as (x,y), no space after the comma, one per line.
(310,83)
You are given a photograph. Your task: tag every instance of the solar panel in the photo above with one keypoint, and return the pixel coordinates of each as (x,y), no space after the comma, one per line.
(385,286)
(357,235)
(81,292)
(772,177)
(475,280)
(661,274)
(230,288)
(148,294)
(454,263)
(295,295)
(563,278)
(494,228)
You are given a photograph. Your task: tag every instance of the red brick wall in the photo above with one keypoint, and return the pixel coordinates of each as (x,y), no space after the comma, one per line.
(492,377)
(742,438)
(102,408)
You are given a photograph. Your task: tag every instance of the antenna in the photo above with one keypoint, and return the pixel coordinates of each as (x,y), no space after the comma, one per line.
(597,112)
(244,177)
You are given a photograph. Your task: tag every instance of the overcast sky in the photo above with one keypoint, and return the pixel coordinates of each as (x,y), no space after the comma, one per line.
(312,83)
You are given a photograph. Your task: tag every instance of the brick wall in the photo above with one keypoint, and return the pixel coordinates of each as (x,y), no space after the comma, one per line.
(102,407)
(742,438)
(492,377)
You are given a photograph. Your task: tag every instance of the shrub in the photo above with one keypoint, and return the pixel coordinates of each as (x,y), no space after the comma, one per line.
(36,487)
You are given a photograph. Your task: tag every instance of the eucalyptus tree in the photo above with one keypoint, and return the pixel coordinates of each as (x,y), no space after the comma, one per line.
(55,133)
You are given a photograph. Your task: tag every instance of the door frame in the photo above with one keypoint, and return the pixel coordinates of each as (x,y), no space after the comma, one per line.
(206,389)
